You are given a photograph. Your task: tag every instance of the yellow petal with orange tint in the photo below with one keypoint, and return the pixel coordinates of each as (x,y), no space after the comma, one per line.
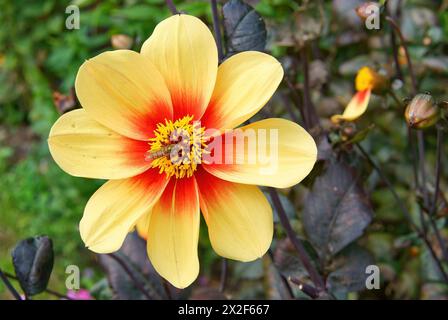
(245,82)
(355,108)
(238,216)
(271,152)
(173,233)
(184,50)
(143,225)
(115,208)
(83,147)
(125,92)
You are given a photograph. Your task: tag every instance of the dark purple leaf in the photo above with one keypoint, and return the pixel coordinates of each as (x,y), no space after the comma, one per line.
(244,28)
(336,210)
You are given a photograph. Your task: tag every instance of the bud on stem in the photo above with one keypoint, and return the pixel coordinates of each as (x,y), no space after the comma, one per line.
(422,112)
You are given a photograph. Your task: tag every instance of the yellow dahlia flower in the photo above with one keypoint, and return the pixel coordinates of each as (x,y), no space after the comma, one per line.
(133,104)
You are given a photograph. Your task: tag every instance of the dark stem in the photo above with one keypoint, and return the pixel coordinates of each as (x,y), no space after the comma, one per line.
(131,275)
(9,286)
(166,288)
(437,171)
(421,161)
(296,99)
(436,259)
(406,52)
(282,277)
(224,269)
(305,288)
(217,29)
(310,110)
(406,213)
(414,158)
(171,6)
(393,42)
(303,255)
(52,292)
(440,240)
(433,210)
(380,172)
(289,108)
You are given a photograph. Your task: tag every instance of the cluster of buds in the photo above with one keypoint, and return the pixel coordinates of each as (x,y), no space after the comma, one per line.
(422,112)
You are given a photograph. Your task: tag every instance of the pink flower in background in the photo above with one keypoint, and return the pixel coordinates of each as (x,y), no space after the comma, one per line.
(81,294)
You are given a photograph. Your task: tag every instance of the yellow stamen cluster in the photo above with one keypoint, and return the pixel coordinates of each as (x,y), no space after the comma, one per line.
(177,147)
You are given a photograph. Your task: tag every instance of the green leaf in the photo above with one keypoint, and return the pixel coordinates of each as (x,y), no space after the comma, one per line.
(336,210)
(33,260)
(244,28)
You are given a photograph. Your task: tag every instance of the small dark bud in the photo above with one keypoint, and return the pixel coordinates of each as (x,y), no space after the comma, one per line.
(33,262)
(422,112)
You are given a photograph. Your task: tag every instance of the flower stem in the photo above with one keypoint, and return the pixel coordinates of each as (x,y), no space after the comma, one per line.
(49,291)
(224,268)
(131,275)
(282,277)
(217,29)
(437,170)
(172,7)
(296,99)
(310,110)
(9,286)
(305,288)
(421,235)
(406,52)
(303,255)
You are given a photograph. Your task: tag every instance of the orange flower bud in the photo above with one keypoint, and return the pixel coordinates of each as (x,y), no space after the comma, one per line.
(367,78)
(363,11)
(422,112)
(121,41)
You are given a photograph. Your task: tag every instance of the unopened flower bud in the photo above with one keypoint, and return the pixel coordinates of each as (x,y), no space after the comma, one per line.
(121,41)
(366,9)
(422,112)
(367,78)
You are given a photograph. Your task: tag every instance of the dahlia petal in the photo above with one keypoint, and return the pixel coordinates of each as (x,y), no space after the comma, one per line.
(245,82)
(238,216)
(173,233)
(85,148)
(115,208)
(355,108)
(271,152)
(184,50)
(125,92)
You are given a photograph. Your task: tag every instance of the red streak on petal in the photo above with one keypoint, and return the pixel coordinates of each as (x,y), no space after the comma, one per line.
(361,96)
(156,113)
(211,188)
(186,104)
(134,152)
(180,197)
(151,181)
(212,118)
